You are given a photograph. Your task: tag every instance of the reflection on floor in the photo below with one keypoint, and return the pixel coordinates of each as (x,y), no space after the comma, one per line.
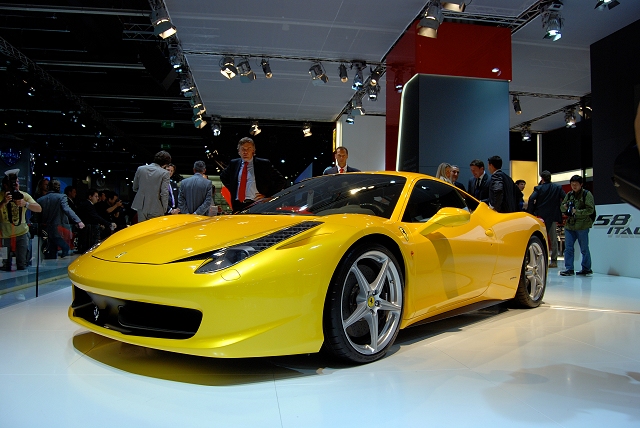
(574,362)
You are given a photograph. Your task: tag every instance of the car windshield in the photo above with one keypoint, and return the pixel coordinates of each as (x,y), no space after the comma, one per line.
(372,194)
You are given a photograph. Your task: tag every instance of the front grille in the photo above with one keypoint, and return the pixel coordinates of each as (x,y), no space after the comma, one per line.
(136,318)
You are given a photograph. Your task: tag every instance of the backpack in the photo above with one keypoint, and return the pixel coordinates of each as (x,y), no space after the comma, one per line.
(593,214)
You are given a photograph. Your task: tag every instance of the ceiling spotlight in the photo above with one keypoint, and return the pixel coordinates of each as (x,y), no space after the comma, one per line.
(428,26)
(196,104)
(358,79)
(186,85)
(350,118)
(374,78)
(516,105)
(306,129)
(373,92)
(198,121)
(552,21)
(342,69)
(246,74)
(603,4)
(255,129)
(455,5)
(570,118)
(228,69)
(357,103)
(318,76)
(266,68)
(215,126)
(525,132)
(176,57)
(162,26)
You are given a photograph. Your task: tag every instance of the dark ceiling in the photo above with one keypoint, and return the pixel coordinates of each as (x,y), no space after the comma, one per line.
(69,63)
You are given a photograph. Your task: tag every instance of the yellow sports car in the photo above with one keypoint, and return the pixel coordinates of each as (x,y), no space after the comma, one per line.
(338,262)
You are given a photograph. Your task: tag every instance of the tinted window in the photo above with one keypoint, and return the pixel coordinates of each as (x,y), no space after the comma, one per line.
(427,197)
(336,194)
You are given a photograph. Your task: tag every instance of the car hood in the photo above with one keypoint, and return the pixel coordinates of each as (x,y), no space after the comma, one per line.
(190,237)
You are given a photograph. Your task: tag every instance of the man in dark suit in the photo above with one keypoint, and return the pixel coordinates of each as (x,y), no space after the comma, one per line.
(249,178)
(90,235)
(479,183)
(545,202)
(195,192)
(151,184)
(341,155)
(502,196)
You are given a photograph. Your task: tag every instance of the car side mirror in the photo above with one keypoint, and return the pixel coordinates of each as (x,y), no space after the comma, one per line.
(446,217)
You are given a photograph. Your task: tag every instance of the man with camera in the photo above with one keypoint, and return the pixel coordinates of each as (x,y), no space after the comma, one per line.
(580,207)
(14,230)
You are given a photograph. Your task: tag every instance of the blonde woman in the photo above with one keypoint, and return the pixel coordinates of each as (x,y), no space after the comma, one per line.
(444,172)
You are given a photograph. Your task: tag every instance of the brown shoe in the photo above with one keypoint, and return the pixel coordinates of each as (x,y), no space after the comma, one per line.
(553,264)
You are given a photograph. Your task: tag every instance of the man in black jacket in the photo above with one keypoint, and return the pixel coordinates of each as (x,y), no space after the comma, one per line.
(249,178)
(479,183)
(545,202)
(90,235)
(502,196)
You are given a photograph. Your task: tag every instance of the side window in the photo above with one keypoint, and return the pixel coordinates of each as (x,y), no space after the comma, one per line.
(427,197)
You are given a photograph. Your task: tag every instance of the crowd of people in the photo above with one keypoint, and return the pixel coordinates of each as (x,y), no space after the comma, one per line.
(67,223)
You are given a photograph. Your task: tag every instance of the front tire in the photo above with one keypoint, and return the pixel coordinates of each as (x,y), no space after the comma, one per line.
(363,309)
(533,276)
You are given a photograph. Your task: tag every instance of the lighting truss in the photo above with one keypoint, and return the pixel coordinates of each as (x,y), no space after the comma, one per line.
(318,75)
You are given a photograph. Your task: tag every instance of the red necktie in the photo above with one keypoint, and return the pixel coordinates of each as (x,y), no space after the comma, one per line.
(243,183)
(341,170)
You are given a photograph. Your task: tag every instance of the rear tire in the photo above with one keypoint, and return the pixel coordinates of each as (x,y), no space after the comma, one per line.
(363,309)
(533,276)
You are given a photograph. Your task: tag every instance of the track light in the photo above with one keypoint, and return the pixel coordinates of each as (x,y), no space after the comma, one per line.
(318,76)
(186,85)
(246,74)
(428,26)
(350,118)
(358,79)
(266,68)
(357,103)
(373,92)
(552,21)
(602,4)
(255,129)
(525,132)
(455,5)
(570,118)
(228,69)
(162,26)
(343,73)
(176,57)
(306,129)
(374,78)
(196,104)
(216,128)
(198,121)
(516,105)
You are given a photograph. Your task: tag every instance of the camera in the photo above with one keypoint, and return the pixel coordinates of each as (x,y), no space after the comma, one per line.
(571,205)
(13,185)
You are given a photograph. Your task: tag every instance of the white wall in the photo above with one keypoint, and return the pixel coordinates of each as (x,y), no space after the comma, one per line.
(365,140)
(614,241)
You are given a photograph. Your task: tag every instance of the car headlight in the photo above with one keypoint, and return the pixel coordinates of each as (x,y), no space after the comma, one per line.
(226,257)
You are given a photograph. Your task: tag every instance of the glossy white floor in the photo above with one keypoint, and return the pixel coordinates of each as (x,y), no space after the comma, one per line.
(574,362)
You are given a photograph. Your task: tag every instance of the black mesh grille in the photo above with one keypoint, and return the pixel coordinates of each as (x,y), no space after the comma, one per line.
(136,318)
